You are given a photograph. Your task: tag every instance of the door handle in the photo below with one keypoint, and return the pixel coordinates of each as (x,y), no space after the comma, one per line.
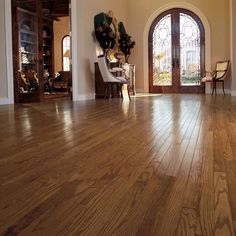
(173,63)
(177,63)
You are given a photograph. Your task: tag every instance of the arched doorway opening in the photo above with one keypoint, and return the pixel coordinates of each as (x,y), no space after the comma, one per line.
(176,52)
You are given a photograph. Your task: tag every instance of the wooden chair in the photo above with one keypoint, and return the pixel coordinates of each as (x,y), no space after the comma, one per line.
(217,76)
(110,79)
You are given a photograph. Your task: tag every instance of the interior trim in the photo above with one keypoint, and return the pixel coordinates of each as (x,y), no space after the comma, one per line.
(9,56)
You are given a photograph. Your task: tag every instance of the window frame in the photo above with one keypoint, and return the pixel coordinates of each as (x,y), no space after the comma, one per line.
(62,50)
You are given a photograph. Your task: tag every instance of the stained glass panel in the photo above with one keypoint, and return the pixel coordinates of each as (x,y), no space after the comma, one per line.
(189,51)
(162,70)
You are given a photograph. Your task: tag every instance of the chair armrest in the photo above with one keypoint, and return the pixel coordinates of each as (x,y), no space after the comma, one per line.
(211,73)
(116,69)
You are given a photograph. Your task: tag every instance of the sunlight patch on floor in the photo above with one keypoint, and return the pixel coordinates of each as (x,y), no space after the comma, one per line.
(137,95)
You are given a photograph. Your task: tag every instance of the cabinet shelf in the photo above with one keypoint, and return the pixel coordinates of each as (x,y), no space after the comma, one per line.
(28,32)
(26,64)
(30,53)
(24,41)
(47,37)
(19,9)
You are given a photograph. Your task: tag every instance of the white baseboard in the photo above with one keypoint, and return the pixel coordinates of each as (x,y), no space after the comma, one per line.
(6,101)
(208,91)
(141,90)
(9,55)
(233,93)
(219,91)
(84,97)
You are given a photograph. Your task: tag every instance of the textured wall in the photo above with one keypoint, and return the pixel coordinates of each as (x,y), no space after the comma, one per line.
(233,53)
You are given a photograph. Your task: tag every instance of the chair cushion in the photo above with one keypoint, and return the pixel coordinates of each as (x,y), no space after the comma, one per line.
(207,79)
(222,66)
(122,80)
(219,75)
(116,69)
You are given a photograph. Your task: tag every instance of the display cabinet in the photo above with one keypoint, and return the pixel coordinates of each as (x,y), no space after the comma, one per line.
(32,50)
(26,53)
(48,53)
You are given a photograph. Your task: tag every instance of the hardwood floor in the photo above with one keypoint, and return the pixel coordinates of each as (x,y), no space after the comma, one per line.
(158,165)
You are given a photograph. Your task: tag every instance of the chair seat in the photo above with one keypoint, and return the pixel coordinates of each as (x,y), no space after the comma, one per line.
(210,79)
(207,79)
(116,69)
(112,80)
(122,80)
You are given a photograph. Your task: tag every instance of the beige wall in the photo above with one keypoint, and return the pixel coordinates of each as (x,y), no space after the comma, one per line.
(86,10)
(217,14)
(61,28)
(233,46)
(3,62)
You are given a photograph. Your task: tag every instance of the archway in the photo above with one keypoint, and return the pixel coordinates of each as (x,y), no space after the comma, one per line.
(162,9)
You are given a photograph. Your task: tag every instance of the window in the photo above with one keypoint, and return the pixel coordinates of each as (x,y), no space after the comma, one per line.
(66,53)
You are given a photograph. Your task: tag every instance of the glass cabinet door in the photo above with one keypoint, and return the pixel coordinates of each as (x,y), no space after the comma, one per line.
(25,45)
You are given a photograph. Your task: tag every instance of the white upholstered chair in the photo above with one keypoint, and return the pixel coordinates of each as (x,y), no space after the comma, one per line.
(218,75)
(110,79)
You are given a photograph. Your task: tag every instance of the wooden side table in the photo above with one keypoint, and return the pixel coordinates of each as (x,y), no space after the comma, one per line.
(130,73)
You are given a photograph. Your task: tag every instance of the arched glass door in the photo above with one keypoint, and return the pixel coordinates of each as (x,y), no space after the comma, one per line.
(176,53)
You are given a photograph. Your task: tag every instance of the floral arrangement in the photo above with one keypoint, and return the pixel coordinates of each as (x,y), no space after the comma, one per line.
(112,36)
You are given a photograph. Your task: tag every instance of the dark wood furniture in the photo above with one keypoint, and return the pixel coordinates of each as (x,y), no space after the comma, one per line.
(26,53)
(48,48)
(99,83)
(100,86)
(64,83)
(33,50)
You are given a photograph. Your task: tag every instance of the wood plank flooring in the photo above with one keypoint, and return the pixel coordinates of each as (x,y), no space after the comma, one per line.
(158,165)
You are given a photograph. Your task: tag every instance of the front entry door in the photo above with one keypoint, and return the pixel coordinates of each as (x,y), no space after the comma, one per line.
(176,53)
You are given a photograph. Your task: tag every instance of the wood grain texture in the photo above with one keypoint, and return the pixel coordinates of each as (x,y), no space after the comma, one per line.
(187,223)
(113,167)
(223,218)
(234,222)
(231,177)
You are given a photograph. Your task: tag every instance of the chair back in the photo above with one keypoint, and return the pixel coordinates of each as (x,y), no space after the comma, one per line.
(106,74)
(221,69)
